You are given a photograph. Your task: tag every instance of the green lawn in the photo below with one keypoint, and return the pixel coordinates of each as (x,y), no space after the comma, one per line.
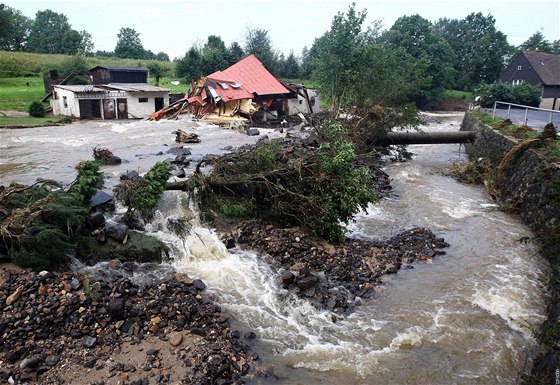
(16,94)
(456,94)
(12,122)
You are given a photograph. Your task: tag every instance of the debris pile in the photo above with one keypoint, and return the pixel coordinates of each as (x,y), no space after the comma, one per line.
(241,94)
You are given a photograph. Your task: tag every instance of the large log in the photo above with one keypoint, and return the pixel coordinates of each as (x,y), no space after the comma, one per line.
(428,137)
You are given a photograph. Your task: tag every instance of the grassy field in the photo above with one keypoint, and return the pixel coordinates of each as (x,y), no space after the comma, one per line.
(26,64)
(455,94)
(17,93)
(22,122)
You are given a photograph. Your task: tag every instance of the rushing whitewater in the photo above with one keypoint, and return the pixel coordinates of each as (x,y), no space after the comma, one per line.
(465,318)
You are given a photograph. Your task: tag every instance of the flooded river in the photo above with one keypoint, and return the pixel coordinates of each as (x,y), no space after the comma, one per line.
(465,318)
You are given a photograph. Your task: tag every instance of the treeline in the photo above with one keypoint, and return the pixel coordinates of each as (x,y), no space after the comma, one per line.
(51,33)
(422,57)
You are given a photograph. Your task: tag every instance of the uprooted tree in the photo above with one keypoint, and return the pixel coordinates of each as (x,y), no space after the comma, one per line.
(38,223)
(319,186)
(141,194)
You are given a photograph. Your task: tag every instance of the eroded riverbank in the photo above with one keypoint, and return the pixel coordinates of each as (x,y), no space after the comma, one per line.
(460,318)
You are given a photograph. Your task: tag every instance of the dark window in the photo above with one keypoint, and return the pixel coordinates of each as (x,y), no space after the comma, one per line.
(65,101)
(142,100)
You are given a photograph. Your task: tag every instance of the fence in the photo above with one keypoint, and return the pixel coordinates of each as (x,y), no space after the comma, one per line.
(551,114)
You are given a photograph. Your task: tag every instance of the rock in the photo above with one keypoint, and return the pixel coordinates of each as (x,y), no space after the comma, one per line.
(307,282)
(14,296)
(198,331)
(116,308)
(287,277)
(184,278)
(100,198)
(179,151)
(96,220)
(116,231)
(12,357)
(130,175)
(52,360)
(152,352)
(75,284)
(179,173)
(199,285)
(89,342)
(253,132)
(175,338)
(29,363)
(90,363)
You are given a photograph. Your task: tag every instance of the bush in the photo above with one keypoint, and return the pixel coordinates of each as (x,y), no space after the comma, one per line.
(525,94)
(37,110)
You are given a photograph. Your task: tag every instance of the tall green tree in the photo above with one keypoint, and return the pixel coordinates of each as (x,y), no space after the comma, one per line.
(482,51)
(555,47)
(71,42)
(189,67)
(162,56)
(47,32)
(536,42)
(156,71)
(258,43)
(86,45)
(291,67)
(214,55)
(14,29)
(337,56)
(129,44)
(236,53)
(5,22)
(414,36)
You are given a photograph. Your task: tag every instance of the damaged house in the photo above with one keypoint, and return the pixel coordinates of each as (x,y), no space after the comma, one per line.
(245,91)
(116,93)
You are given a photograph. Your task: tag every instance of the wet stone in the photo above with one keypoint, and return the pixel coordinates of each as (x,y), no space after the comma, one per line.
(89,342)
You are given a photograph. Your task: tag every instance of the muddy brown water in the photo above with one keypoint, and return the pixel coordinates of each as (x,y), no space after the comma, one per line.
(463,318)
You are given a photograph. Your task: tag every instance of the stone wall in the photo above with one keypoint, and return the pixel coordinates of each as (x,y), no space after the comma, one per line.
(529,184)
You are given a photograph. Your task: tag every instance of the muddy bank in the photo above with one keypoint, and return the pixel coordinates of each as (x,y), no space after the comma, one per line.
(337,278)
(60,328)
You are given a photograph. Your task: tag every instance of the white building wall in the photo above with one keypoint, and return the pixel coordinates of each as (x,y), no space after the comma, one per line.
(137,109)
(65,103)
(299,104)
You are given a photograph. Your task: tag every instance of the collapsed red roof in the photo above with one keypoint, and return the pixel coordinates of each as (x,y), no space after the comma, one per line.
(251,74)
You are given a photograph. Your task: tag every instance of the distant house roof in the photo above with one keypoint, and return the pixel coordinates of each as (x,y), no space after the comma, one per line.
(79,88)
(121,69)
(135,87)
(546,66)
(251,74)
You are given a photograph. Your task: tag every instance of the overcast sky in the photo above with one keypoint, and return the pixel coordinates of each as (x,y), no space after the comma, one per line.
(173,26)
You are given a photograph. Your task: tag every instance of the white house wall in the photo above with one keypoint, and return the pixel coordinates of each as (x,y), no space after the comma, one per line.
(71,108)
(299,104)
(142,110)
(135,108)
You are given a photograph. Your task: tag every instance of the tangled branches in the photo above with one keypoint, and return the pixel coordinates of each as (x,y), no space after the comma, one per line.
(318,187)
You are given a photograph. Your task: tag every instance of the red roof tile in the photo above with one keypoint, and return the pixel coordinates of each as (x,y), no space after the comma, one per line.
(226,90)
(253,77)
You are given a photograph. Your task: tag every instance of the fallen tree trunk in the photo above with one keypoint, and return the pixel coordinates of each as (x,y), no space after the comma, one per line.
(398,138)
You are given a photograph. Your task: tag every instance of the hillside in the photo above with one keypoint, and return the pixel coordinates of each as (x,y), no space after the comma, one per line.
(25,64)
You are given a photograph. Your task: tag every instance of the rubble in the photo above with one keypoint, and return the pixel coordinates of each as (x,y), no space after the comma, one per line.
(242,94)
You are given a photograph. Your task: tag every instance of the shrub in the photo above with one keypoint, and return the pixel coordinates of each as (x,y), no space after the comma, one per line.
(37,110)
(525,94)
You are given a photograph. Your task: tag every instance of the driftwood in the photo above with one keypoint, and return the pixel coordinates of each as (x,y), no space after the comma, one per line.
(186,137)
